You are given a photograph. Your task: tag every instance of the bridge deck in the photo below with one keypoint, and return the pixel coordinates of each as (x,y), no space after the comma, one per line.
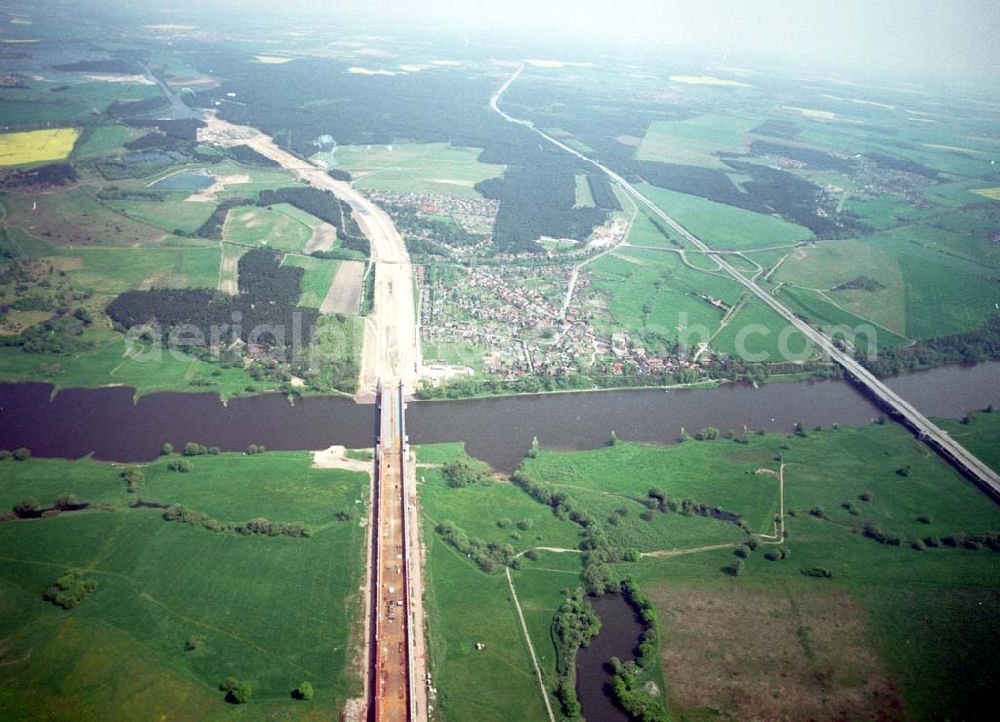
(391,676)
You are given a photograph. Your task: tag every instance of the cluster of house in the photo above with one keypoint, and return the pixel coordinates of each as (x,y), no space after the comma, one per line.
(520,318)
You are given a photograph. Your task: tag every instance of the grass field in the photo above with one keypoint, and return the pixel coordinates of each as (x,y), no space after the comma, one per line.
(584,197)
(120,654)
(906,622)
(654,291)
(695,141)
(281,226)
(316,281)
(725,227)
(415,168)
(37,146)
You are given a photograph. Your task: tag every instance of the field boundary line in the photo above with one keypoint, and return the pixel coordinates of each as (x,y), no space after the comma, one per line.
(531,647)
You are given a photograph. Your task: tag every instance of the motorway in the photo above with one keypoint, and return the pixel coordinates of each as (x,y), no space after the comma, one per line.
(390,678)
(923,427)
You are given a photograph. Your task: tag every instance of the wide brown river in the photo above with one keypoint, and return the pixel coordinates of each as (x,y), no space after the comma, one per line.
(110,424)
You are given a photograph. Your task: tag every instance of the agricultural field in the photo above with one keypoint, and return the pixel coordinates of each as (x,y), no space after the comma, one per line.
(724,227)
(890,626)
(696,141)
(281,226)
(317,279)
(177,607)
(36,146)
(921,288)
(415,168)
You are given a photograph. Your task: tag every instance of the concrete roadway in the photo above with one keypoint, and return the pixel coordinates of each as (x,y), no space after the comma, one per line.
(935,437)
(391,689)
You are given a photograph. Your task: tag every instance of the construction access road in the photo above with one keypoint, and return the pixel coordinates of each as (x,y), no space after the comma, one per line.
(391,344)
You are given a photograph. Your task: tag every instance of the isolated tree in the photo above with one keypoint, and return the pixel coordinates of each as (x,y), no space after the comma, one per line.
(168,449)
(304,691)
(22,454)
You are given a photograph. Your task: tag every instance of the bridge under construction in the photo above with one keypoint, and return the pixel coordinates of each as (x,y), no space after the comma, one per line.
(397,660)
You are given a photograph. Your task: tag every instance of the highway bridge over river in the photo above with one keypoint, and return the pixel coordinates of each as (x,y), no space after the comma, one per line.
(397,660)
(895,405)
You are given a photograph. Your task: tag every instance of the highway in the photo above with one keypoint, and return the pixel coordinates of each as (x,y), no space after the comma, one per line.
(924,428)
(395,688)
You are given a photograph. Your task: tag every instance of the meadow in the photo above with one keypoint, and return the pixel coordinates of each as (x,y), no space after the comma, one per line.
(415,168)
(895,627)
(178,608)
(696,141)
(724,227)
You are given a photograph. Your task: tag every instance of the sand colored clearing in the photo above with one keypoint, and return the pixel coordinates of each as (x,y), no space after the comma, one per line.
(708,80)
(117,78)
(272,59)
(170,26)
(992,193)
(413,68)
(542,63)
(336,458)
(20,21)
(810,112)
(954,148)
(344,295)
(208,194)
(35,146)
(632,140)
(322,239)
(357,70)
(446,63)
(21,41)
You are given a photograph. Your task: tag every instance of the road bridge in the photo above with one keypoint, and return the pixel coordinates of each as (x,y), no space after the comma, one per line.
(935,437)
(397,663)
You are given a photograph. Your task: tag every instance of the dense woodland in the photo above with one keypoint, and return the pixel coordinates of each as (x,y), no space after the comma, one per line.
(267,296)
(299,102)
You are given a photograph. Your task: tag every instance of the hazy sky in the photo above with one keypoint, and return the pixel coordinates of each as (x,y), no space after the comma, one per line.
(922,35)
(948,39)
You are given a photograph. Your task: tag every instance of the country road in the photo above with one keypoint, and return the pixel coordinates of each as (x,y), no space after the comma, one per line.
(925,429)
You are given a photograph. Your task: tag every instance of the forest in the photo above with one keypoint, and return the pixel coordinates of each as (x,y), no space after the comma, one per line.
(300,101)
(267,296)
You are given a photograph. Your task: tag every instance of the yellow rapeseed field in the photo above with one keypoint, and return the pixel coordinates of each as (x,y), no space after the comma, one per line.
(36,146)
(993,193)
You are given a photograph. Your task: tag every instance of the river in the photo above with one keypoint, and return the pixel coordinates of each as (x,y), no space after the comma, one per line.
(109,424)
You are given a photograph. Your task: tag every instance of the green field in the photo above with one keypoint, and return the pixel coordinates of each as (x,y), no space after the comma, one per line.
(281,226)
(317,279)
(695,141)
(722,226)
(120,654)
(415,168)
(584,196)
(649,290)
(889,586)
(927,289)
